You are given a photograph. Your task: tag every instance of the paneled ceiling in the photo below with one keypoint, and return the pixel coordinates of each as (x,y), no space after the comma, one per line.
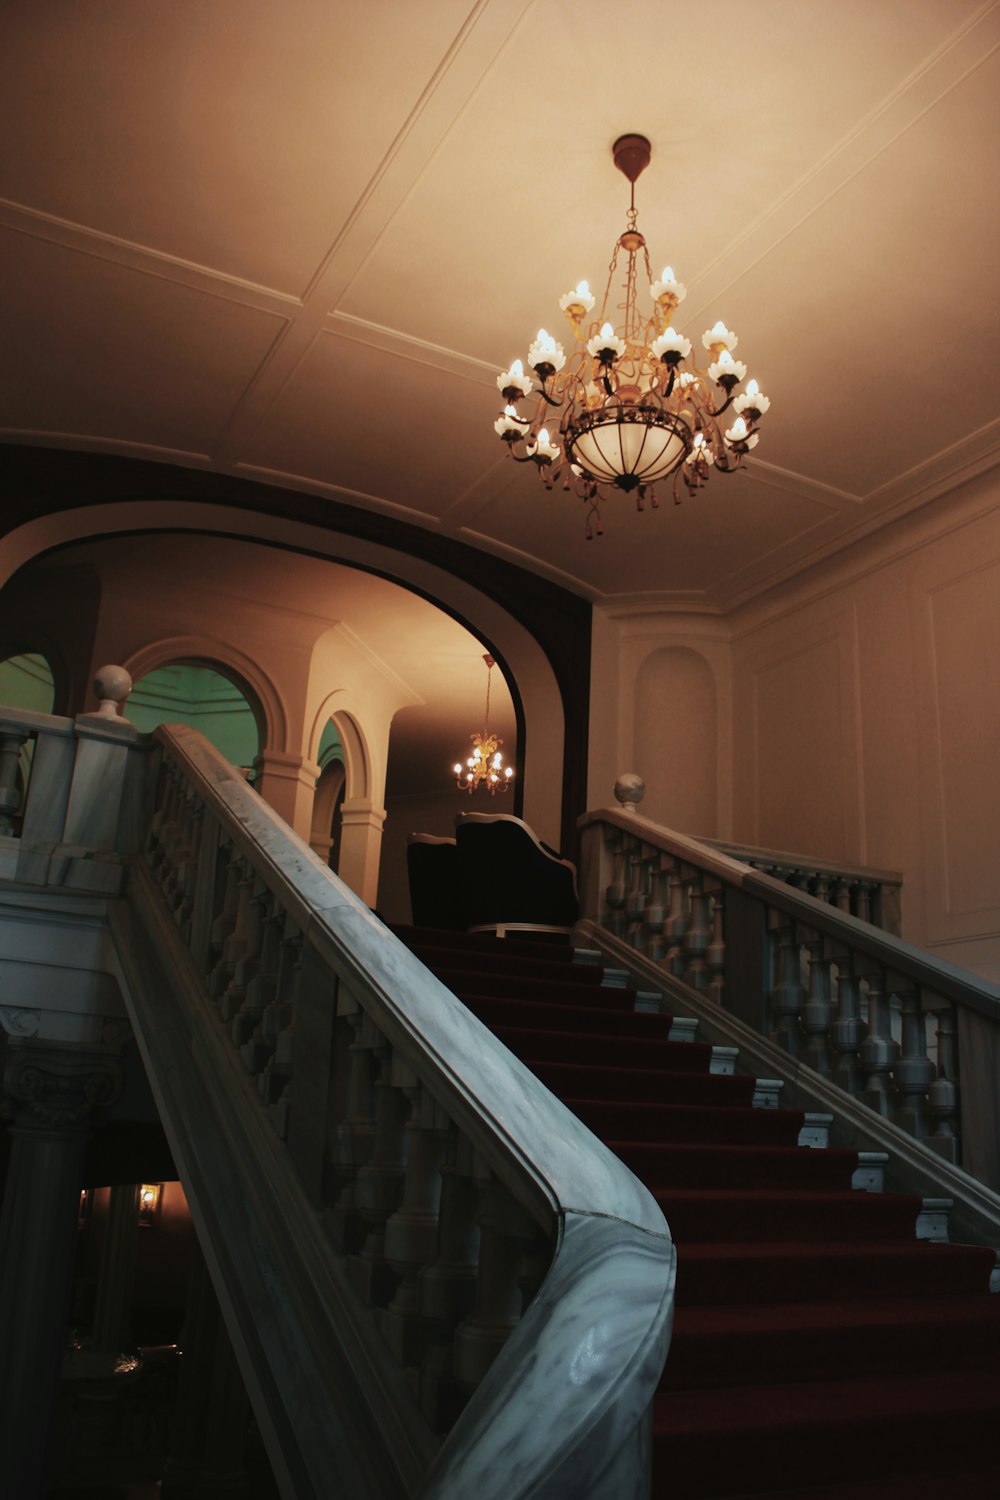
(297,241)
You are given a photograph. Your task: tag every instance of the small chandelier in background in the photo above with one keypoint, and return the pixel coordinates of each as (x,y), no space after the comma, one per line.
(485,765)
(633,406)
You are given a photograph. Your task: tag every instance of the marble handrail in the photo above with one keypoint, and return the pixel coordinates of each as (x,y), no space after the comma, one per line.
(872,895)
(517,1272)
(893,1025)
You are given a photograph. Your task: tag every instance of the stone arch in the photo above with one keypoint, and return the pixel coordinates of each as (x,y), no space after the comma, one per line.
(265,701)
(357,756)
(676,739)
(551,802)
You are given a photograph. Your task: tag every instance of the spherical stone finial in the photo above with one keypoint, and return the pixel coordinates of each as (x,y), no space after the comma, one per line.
(112,686)
(630,790)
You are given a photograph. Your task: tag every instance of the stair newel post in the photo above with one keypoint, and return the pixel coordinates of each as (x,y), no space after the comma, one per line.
(699,932)
(788,995)
(229,995)
(448,1284)
(914,1071)
(676,924)
(817,1010)
(638,893)
(878,1051)
(379,1182)
(656,911)
(225,923)
(615,895)
(503,1229)
(943,1096)
(354,1135)
(234,1002)
(848,1027)
(411,1233)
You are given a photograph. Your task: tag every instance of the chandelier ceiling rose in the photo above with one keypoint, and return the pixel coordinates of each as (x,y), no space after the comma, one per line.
(632,406)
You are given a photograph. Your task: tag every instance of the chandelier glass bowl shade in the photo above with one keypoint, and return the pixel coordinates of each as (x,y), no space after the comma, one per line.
(631,405)
(484,767)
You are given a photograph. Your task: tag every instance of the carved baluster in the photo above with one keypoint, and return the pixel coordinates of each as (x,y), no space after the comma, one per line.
(503,1229)
(788,995)
(14,758)
(638,894)
(411,1233)
(847,1029)
(262,997)
(842,896)
(448,1285)
(235,944)
(715,954)
(862,900)
(354,1136)
(698,934)
(379,1182)
(943,1094)
(615,918)
(179,884)
(914,1072)
(878,1051)
(223,925)
(274,1082)
(251,922)
(675,926)
(656,910)
(821,888)
(817,1010)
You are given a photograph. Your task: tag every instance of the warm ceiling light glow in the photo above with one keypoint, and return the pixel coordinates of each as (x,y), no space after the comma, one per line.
(485,767)
(149,1202)
(629,415)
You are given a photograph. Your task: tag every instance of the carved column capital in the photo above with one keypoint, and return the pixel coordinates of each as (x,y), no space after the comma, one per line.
(52,1088)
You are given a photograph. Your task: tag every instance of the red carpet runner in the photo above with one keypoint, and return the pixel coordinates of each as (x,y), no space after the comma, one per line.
(820,1351)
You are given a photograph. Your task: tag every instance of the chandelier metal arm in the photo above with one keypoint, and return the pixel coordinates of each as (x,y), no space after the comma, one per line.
(635,408)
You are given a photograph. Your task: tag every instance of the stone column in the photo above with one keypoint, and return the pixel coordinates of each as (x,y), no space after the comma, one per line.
(116,1276)
(50,1096)
(361,847)
(288,784)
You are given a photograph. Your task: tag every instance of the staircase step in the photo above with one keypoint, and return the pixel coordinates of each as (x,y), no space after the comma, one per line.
(662,1165)
(535,1046)
(789,1271)
(716,1215)
(638,1121)
(574,1021)
(859,1425)
(736,1345)
(594,1081)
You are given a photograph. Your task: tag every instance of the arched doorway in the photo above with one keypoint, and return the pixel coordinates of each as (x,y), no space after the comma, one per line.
(204,697)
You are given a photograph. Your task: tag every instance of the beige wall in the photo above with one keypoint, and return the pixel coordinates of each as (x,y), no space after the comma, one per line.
(853,714)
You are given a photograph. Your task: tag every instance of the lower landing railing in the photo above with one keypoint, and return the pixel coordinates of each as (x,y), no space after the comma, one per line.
(912,1037)
(439,1283)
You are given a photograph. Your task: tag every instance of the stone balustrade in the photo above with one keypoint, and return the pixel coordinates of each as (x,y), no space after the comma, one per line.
(892,1026)
(870,895)
(475,1228)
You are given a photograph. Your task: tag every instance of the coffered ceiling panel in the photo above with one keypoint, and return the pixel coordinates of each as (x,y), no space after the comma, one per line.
(237,134)
(297,242)
(96,351)
(359,419)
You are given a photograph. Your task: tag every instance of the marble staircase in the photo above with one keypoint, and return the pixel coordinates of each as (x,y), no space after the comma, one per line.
(821,1324)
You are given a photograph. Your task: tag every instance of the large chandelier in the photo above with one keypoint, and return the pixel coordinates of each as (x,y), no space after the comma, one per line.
(484,767)
(633,407)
